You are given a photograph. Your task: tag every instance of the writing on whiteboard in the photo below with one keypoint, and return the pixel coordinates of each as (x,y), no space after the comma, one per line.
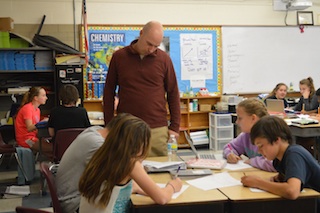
(232,70)
(196,55)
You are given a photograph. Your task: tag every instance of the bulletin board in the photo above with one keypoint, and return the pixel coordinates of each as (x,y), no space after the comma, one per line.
(195,51)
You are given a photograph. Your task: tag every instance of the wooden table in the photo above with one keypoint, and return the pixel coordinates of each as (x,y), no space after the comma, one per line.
(244,200)
(192,200)
(307,131)
(96,122)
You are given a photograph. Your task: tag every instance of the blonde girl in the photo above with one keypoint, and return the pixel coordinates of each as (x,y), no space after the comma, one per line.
(115,170)
(279,92)
(249,112)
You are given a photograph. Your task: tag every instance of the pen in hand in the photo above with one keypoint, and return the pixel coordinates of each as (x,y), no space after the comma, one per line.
(177,173)
(230,147)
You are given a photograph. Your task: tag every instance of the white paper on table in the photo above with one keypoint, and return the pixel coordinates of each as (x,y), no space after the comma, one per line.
(238,166)
(214,181)
(160,165)
(256,190)
(176,194)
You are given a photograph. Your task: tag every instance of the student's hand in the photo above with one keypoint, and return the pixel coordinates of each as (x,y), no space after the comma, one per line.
(251,181)
(45,119)
(171,132)
(176,183)
(306,94)
(247,161)
(232,158)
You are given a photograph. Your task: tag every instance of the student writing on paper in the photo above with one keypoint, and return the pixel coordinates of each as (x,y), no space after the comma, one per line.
(296,166)
(115,171)
(279,92)
(249,112)
(308,102)
(75,160)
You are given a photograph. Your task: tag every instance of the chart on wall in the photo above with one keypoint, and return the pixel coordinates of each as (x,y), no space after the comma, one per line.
(195,51)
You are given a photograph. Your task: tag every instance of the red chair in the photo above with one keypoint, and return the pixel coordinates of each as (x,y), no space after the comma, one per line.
(44,168)
(21,209)
(63,139)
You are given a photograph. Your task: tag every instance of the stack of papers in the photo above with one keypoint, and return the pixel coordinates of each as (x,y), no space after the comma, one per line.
(154,166)
(199,137)
(17,191)
(304,121)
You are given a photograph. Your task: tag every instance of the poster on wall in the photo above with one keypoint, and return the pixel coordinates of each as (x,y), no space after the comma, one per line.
(195,51)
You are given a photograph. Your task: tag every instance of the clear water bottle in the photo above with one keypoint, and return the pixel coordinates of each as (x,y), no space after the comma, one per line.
(172,148)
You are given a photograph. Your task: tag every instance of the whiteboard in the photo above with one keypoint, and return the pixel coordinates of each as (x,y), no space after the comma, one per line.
(255,59)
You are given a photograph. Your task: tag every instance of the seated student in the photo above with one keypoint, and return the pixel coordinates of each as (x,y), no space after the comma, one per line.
(75,160)
(249,112)
(296,166)
(27,118)
(68,114)
(316,115)
(308,102)
(279,92)
(115,171)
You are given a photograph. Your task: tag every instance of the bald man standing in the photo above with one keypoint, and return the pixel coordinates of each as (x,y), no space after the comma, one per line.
(146,82)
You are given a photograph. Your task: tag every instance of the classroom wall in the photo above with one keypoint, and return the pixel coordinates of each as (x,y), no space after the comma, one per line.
(199,12)
(61,15)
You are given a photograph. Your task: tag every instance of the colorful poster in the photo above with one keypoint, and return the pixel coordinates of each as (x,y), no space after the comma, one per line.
(202,63)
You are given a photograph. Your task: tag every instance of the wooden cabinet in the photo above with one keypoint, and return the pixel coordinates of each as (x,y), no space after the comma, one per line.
(93,105)
(195,120)
(190,121)
(27,67)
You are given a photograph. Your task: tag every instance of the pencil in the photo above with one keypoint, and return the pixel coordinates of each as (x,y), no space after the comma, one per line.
(230,147)
(177,173)
(244,174)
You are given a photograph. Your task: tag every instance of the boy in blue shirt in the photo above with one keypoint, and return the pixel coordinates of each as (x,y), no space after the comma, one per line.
(297,169)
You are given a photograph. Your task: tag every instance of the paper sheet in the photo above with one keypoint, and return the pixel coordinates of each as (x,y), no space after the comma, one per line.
(175,195)
(219,180)
(238,166)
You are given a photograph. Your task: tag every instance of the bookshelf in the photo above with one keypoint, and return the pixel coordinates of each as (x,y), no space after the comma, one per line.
(190,121)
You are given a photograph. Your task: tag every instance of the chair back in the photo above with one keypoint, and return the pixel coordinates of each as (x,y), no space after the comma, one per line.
(63,139)
(21,209)
(44,168)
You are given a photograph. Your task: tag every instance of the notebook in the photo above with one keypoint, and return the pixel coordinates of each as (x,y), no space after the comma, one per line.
(203,161)
(275,106)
